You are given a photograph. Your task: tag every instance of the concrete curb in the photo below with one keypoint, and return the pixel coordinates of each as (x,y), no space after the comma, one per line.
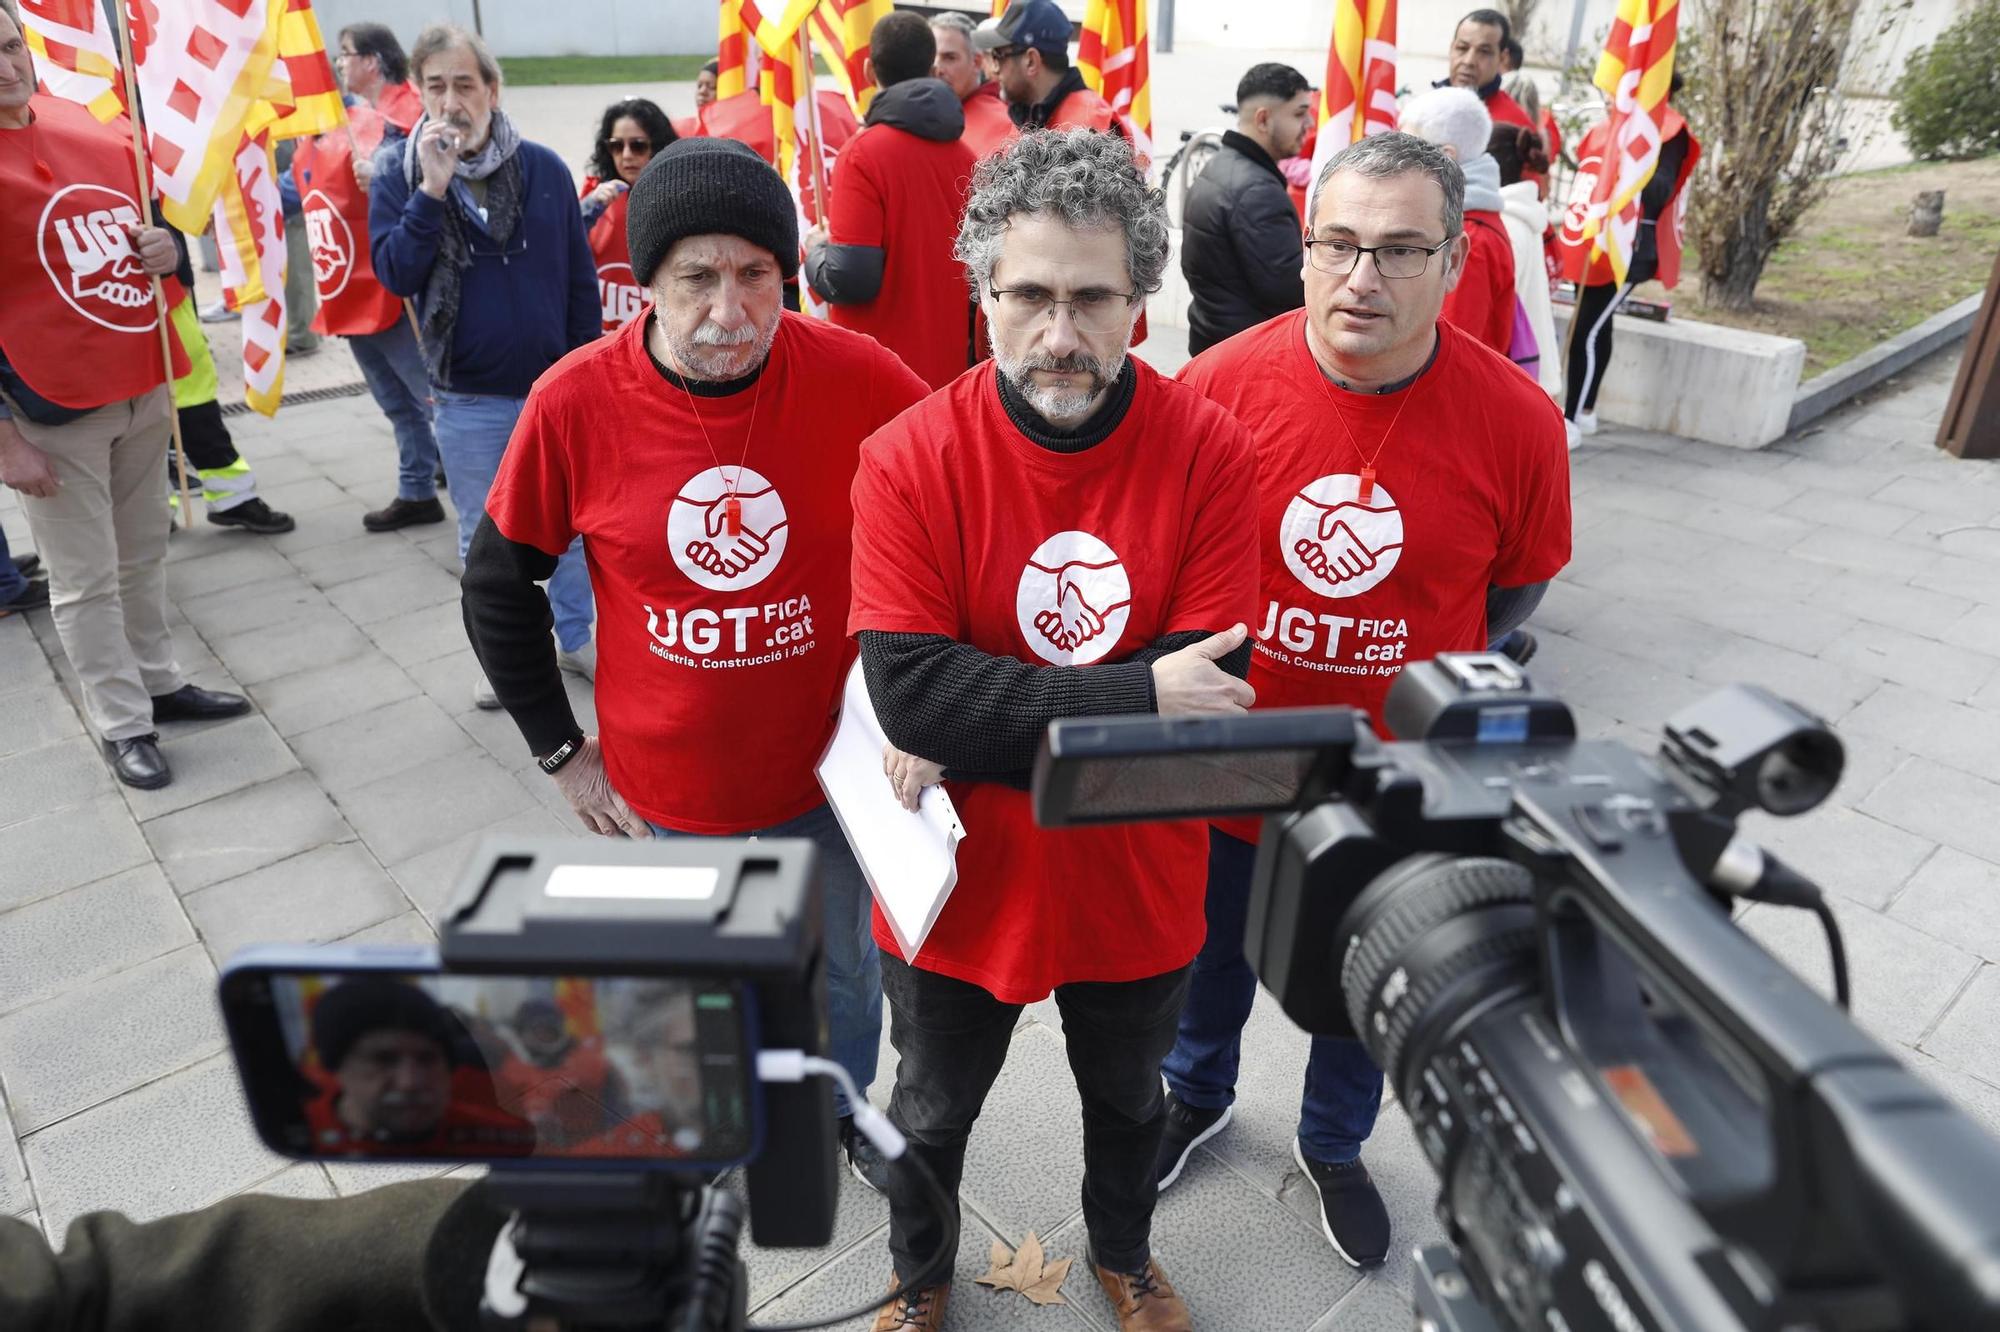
(1822,393)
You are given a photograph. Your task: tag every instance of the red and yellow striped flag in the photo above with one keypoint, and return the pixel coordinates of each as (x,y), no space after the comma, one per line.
(773,22)
(1358,96)
(1111,56)
(732,52)
(843,29)
(1635,72)
(302,96)
(75,54)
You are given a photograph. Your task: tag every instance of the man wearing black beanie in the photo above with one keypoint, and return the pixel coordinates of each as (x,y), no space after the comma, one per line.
(704,455)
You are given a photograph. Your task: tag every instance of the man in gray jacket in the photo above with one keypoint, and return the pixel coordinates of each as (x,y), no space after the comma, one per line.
(1242,248)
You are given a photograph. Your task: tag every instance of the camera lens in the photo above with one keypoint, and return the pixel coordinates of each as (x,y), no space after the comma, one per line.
(1430,939)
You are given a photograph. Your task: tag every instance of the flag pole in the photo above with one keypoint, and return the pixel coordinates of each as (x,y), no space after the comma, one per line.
(159,291)
(812,124)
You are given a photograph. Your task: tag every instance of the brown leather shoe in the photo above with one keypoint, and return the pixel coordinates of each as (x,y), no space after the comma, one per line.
(1145,1301)
(920,1311)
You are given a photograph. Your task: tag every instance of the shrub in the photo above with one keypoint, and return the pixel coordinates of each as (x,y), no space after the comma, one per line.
(1948,98)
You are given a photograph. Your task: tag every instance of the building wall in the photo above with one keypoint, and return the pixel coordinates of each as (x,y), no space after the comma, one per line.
(536,27)
(1425,27)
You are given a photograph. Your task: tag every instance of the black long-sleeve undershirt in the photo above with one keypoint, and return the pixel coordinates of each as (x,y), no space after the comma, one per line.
(983,716)
(507,617)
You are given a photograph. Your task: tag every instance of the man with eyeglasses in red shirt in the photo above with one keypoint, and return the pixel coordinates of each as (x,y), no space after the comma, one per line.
(1413,498)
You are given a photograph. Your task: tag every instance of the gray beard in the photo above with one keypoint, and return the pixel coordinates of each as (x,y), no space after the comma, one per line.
(1056,405)
(709,361)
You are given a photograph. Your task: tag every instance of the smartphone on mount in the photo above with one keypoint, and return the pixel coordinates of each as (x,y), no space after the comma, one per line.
(350,1053)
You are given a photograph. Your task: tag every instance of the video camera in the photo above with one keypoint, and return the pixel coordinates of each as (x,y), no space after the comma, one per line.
(1640,1119)
(610,1026)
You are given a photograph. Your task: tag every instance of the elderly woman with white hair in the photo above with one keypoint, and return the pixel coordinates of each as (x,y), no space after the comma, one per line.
(1483,302)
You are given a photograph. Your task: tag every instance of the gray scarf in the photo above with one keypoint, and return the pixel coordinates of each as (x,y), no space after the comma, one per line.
(498,163)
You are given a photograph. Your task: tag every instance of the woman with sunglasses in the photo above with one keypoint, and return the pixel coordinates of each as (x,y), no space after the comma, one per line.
(632,131)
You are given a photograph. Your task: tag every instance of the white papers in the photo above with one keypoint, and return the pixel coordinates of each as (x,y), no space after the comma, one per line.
(910,859)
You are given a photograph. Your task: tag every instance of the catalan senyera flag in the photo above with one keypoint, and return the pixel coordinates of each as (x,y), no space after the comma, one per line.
(76,54)
(1358,96)
(773,23)
(1635,72)
(1111,56)
(733,51)
(301,96)
(843,29)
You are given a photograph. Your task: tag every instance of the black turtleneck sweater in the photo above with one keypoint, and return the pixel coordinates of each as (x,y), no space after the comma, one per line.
(982,716)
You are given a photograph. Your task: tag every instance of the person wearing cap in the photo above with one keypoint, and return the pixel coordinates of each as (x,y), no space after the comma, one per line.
(883,258)
(702,455)
(1060,532)
(988,128)
(1030,51)
(85,412)
(480,229)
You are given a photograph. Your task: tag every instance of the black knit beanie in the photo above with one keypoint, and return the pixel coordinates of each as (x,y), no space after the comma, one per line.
(701,187)
(354,1008)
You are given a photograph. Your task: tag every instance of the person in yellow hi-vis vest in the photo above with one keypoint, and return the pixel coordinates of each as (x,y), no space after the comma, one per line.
(228,486)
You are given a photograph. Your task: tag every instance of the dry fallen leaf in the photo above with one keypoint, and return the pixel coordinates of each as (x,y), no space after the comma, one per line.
(1027,1271)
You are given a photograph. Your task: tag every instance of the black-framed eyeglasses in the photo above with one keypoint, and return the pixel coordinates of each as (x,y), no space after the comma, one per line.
(1092,311)
(1002,54)
(633,145)
(1339,257)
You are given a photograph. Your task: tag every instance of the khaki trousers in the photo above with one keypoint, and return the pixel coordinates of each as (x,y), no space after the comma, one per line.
(103,539)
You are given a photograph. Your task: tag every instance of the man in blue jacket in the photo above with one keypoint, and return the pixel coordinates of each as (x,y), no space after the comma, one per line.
(481,230)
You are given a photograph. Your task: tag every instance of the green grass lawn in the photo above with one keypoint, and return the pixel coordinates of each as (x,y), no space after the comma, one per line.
(534,71)
(1852,276)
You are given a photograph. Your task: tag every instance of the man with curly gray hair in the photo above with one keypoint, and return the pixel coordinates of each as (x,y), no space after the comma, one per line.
(1059,533)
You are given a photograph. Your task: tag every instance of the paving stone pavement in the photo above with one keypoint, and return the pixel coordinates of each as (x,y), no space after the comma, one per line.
(1854,568)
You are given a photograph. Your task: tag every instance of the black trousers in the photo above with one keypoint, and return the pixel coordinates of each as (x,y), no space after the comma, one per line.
(952,1038)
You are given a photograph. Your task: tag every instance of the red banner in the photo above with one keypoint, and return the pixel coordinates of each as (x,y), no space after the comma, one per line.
(351,302)
(622,297)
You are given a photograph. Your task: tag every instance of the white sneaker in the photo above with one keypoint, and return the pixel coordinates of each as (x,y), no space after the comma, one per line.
(582,662)
(483,695)
(1574,434)
(1587,422)
(218,313)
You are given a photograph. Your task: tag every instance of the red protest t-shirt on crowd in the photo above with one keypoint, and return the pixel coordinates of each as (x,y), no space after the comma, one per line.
(897,192)
(1483,301)
(721,655)
(966,528)
(617,290)
(1471,491)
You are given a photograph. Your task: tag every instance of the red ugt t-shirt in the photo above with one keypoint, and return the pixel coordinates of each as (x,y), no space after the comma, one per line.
(966,528)
(1472,490)
(720,658)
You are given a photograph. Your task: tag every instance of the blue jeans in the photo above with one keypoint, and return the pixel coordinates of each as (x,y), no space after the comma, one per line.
(853,965)
(472,434)
(394,369)
(1343,1086)
(12,585)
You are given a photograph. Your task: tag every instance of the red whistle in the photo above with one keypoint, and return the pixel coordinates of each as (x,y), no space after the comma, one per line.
(732,515)
(1367,485)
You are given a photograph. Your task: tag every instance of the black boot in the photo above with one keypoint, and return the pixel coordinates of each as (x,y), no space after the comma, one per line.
(401,512)
(138,762)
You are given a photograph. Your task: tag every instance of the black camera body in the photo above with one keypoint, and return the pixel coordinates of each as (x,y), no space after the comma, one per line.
(1640,1119)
